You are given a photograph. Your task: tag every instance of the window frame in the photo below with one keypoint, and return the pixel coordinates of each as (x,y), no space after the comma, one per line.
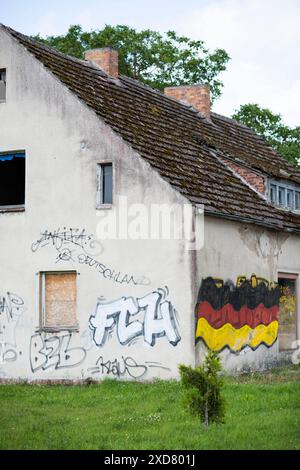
(3,71)
(99,197)
(15,207)
(296,277)
(288,188)
(297,194)
(42,303)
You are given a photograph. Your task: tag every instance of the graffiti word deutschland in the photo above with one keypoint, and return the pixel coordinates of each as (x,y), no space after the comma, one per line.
(110,274)
(76,245)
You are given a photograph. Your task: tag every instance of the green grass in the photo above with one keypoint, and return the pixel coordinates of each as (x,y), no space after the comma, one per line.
(263,412)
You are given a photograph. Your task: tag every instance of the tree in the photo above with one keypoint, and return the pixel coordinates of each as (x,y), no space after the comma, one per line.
(155,59)
(284,139)
(203,389)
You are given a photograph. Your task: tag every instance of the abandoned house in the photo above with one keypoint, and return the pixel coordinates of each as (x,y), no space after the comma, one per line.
(81,145)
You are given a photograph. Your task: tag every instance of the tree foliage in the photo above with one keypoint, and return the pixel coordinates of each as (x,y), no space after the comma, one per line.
(284,139)
(155,59)
(203,386)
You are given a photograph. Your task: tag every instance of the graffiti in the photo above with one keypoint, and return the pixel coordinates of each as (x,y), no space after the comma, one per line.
(237,316)
(60,238)
(76,245)
(54,351)
(111,274)
(12,308)
(11,305)
(120,368)
(159,319)
(7,353)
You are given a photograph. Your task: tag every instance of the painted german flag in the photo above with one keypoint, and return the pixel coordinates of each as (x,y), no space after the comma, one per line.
(237,316)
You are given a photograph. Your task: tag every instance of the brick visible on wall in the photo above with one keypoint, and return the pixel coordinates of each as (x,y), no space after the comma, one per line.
(253,179)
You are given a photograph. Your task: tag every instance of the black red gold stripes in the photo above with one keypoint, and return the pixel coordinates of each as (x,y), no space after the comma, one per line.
(237,316)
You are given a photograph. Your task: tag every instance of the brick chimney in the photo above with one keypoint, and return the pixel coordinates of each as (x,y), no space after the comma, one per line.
(106,58)
(196,95)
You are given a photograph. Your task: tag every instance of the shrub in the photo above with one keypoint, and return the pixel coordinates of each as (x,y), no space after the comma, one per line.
(203,386)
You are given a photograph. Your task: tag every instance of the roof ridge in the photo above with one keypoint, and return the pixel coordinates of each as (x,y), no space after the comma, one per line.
(173,138)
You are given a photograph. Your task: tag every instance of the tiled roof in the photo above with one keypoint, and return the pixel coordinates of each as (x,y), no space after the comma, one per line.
(183,146)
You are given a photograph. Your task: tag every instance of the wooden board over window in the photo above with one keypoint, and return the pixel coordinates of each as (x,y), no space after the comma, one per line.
(59,300)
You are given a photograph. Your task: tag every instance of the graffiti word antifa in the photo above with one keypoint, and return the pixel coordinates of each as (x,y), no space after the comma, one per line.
(159,319)
(76,245)
(59,238)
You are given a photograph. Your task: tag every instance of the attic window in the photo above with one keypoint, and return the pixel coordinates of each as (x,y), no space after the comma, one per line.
(12,180)
(104,184)
(2,85)
(285,195)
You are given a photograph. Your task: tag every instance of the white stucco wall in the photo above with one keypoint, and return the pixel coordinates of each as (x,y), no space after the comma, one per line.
(64,141)
(233,249)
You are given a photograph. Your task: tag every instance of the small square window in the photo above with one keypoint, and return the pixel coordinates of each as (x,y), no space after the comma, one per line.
(2,85)
(58,300)
(105,184)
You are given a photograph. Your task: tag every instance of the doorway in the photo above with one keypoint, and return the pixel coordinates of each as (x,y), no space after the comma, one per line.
(287,321)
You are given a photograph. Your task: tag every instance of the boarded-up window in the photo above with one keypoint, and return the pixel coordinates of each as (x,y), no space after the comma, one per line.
(58,300)
(287,312)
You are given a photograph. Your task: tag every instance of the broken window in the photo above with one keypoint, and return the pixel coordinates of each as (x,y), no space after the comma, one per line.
(105,184)
(287,332)
(58,300)
(2,85)
(12,179)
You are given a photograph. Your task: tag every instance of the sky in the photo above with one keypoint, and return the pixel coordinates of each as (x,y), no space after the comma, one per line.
(262,38)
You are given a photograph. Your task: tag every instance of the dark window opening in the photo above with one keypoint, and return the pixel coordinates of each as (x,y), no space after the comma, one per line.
(105,184)
(2,85)
(12,179)
(287,333)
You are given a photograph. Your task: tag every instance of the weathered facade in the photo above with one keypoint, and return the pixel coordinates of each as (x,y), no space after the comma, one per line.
(75,306)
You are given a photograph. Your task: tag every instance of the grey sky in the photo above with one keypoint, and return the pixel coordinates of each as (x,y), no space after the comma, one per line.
(261,36)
